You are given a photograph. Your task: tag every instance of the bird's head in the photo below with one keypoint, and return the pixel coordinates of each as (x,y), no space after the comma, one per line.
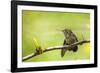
(66,31)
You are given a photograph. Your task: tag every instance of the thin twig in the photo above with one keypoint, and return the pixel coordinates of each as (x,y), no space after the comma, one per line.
(54,48)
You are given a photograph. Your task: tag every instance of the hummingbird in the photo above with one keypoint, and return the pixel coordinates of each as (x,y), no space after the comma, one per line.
(70,38)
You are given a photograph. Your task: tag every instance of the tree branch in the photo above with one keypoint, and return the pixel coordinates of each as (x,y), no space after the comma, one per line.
(55,48)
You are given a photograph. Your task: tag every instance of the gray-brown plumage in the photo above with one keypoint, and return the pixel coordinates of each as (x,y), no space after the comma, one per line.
(70,38)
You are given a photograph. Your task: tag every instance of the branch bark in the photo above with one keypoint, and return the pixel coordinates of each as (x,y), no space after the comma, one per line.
(55,48)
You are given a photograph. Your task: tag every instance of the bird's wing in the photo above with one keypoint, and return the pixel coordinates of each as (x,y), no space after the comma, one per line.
(74,37)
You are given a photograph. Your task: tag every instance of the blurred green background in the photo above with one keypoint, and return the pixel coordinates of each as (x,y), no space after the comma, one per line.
(46,28)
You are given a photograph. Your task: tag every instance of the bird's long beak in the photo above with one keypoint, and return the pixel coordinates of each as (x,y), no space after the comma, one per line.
(61,30)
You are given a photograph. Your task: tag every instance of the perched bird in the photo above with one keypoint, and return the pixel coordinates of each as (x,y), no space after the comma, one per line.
(38,47)
(70,38)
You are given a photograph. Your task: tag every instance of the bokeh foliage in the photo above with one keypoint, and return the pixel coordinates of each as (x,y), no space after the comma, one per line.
(46,28)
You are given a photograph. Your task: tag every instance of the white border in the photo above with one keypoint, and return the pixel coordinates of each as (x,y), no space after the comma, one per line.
(54,63)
